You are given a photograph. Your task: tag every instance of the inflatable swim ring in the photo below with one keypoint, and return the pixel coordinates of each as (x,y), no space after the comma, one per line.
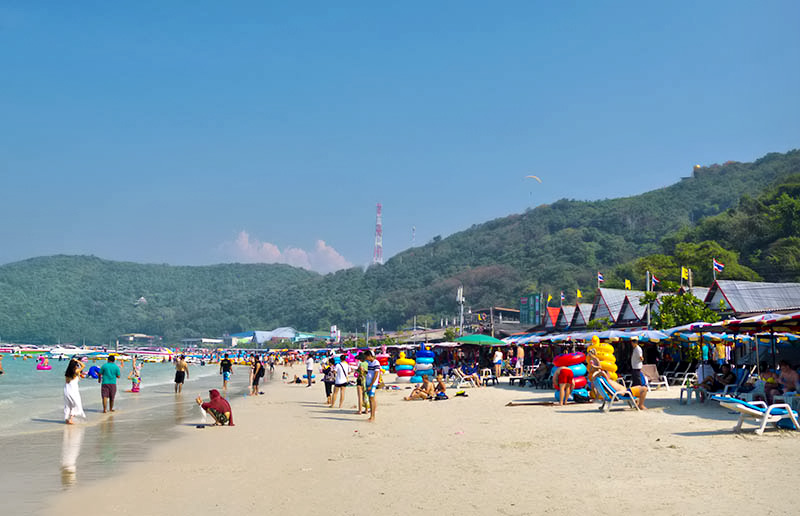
(578,370)
(416,379)
(569,359)
(43,365)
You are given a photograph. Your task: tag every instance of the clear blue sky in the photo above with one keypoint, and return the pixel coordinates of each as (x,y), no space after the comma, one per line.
(204,132)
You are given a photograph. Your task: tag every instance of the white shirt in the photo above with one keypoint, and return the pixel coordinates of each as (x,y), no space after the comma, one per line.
(310,363)
(498,356)
(342,370)
(637,358)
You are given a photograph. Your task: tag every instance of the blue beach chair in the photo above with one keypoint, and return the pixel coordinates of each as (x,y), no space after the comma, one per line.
(759,411)
(609,395)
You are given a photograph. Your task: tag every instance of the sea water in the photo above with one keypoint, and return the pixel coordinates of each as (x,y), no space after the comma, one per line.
(41,455)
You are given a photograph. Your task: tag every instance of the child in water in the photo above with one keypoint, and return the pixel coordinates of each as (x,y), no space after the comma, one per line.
(135,376)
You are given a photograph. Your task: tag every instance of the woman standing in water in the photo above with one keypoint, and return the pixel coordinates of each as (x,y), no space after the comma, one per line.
(73,406)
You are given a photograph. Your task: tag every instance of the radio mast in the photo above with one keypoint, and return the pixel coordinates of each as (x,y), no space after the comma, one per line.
(377,254)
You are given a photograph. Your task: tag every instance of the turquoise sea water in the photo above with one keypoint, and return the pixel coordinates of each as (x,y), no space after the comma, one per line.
(41,455)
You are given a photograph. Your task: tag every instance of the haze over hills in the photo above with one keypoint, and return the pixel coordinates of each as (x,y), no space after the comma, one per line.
(551,248)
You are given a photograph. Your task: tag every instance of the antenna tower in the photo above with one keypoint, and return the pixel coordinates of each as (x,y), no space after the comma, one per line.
(377,255)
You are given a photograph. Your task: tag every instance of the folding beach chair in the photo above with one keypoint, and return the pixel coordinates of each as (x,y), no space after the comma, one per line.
(759,411)
(680,374)
(609,395)
(654,379)
(459,380)
(742,374)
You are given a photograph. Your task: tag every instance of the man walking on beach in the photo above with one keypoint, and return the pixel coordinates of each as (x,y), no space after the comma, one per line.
(108,383)
(226,370)
(373,377)
(637,359)
(181,373)
(309,368)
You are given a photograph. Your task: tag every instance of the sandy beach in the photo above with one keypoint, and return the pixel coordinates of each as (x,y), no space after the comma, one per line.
(290,454)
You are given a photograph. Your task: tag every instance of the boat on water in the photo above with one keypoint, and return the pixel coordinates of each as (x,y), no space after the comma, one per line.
(150,354)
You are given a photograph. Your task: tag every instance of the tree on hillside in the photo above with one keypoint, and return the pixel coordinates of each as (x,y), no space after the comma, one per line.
(678,310)
(698,258)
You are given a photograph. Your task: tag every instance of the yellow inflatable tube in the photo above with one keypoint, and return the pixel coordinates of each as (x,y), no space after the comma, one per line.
(402,360)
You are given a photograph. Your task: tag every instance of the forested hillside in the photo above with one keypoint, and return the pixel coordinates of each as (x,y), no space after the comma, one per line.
(745,213)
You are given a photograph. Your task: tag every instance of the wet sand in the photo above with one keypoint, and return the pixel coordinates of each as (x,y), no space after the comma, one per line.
(44,456)
(290,454)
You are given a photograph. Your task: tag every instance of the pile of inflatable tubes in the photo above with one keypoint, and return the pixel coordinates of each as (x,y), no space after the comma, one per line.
(423,365)
(383,360)
(575,362)
(404,367)
(605,353)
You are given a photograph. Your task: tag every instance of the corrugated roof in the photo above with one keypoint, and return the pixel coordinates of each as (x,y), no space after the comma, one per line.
(754,296)
(581,316)
(565,316)
(551,316)
(612,298)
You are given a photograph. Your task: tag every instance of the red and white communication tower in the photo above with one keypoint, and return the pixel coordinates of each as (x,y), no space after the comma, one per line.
(377,255)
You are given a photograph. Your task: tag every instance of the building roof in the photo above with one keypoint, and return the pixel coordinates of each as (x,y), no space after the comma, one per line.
(581,315)
(750,297)
(608,302)
(565,316)
(551,316)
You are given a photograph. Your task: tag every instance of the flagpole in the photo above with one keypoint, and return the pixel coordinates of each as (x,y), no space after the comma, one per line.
(647,285)
(713,269)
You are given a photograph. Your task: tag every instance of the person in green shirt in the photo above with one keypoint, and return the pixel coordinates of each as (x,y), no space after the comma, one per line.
(108,383)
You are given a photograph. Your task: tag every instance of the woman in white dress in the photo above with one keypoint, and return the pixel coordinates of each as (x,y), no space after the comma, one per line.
(72,394)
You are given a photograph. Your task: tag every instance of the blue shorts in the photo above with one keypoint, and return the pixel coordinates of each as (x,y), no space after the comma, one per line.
(226,375)
(371,390)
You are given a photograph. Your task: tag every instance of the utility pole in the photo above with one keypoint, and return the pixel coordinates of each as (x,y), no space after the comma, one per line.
(460,299)
(649,288)
(491,316)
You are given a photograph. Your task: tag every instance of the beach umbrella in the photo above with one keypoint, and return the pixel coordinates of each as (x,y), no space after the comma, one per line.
(480,340)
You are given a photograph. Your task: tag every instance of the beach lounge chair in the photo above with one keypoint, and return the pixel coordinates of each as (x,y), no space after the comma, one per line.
(679,377)
(654,379)
(758,411)
(609,395)
(459,380)
(742,374)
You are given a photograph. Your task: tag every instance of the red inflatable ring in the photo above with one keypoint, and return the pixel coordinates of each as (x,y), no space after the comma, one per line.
(580,382)
(569,359)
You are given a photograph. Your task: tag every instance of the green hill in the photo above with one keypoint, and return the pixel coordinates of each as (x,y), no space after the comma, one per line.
(550,248)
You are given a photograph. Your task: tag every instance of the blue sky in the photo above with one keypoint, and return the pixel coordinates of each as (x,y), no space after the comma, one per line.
(205,132)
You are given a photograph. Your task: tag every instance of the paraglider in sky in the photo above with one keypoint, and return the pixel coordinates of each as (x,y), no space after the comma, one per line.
(534,177)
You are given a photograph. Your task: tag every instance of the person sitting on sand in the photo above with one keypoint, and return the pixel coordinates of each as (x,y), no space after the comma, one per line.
(640,391)
(425,391)
(217,407)
(440,387)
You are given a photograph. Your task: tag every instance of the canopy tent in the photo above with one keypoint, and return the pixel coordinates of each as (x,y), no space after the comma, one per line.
(481,340)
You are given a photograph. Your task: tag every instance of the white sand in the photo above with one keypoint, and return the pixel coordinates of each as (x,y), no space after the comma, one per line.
(289,454)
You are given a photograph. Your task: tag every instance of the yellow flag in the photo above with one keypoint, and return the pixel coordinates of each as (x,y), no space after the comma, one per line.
(684,273)
(579,293)
(627,284)
(549,298)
